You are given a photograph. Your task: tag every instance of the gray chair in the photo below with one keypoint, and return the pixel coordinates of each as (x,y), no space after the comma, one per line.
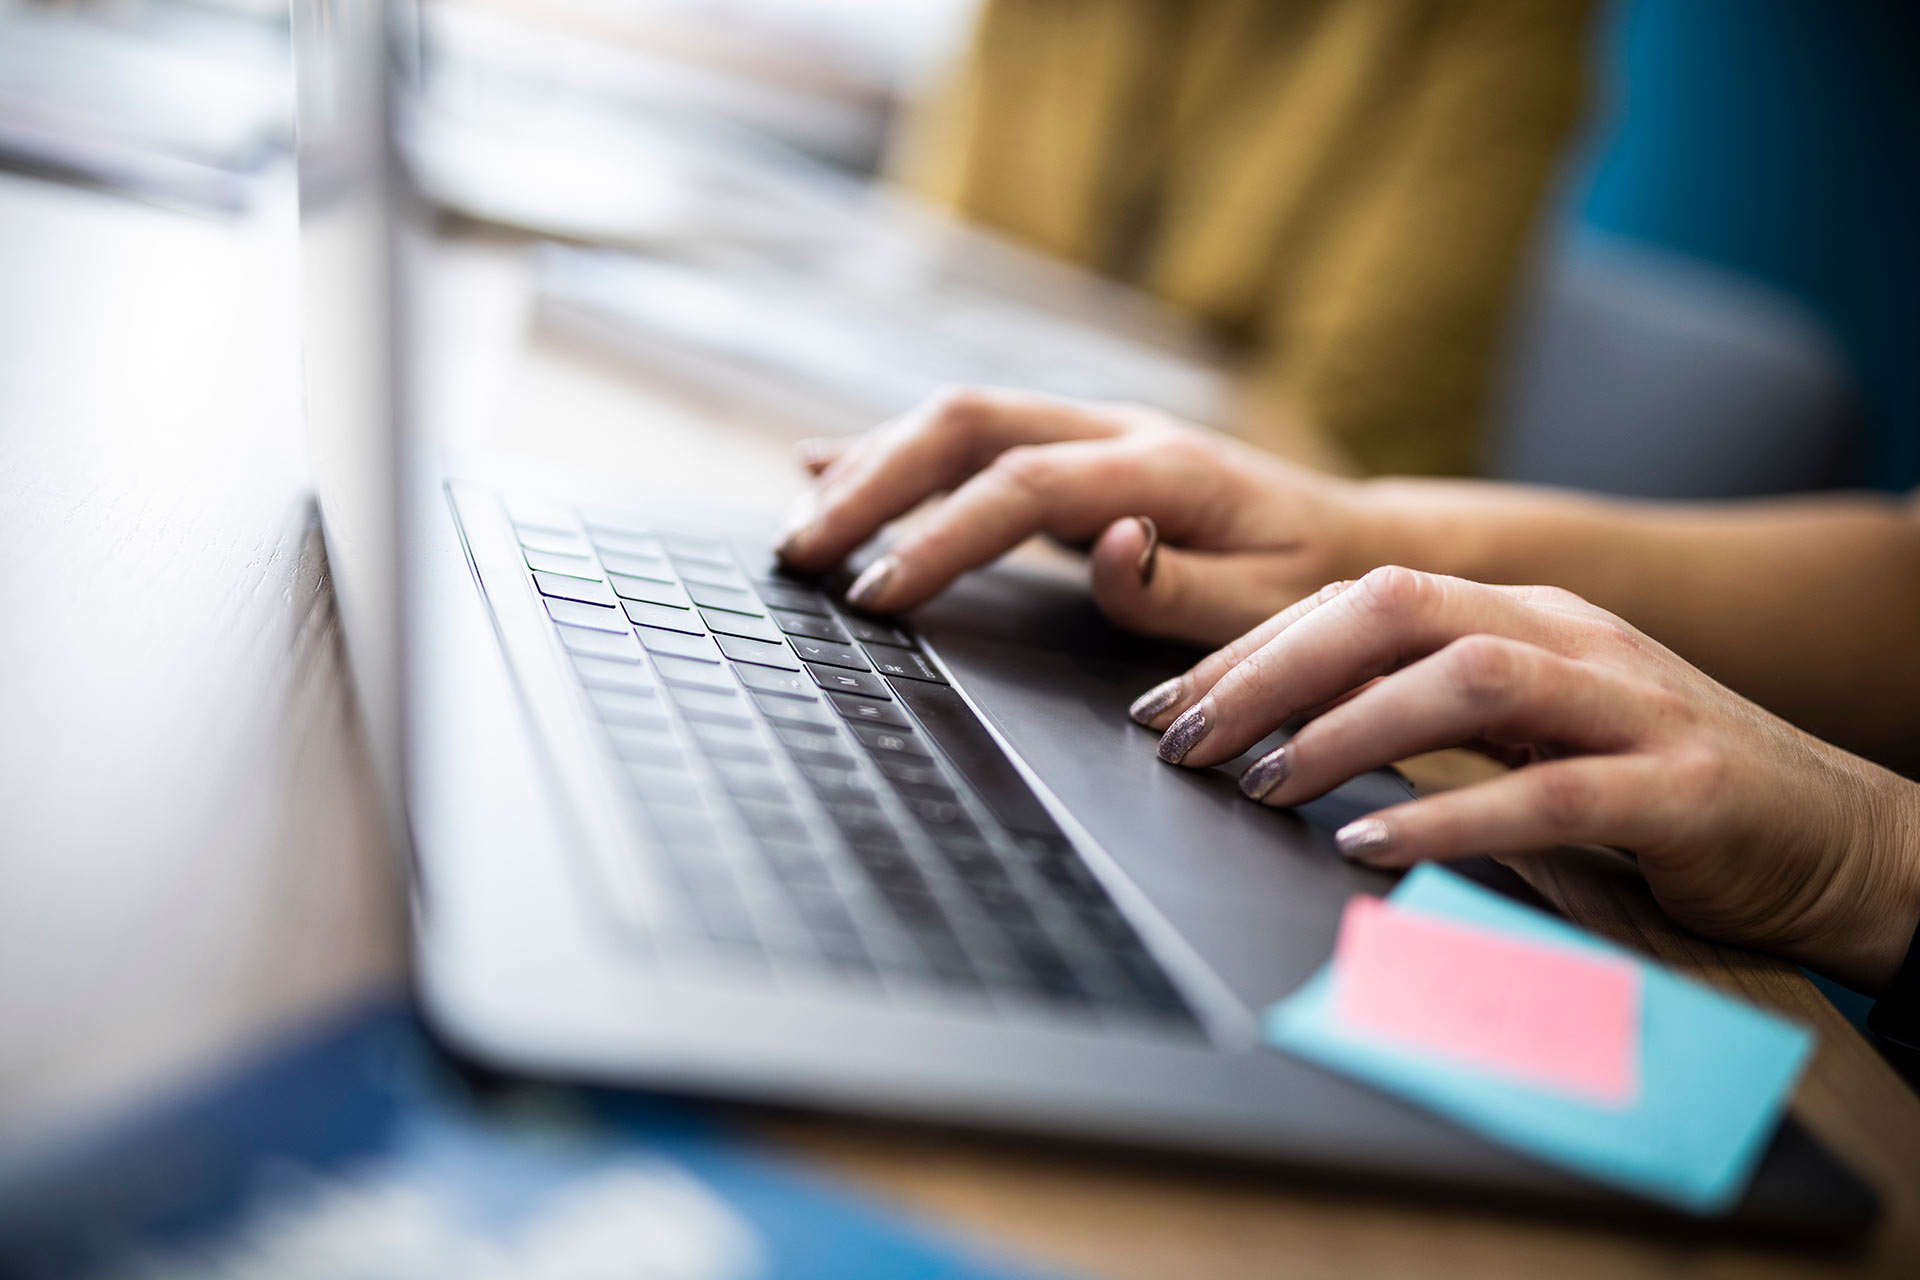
(1636,372)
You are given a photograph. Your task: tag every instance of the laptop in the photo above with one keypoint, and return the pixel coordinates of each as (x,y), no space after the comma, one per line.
(680,821)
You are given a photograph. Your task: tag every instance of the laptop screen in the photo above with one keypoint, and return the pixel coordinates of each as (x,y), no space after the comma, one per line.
(349,331)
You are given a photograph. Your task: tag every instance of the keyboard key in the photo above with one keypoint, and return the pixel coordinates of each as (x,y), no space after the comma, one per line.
(746,781)
(641,707)
(598,673)
(772,821)
(835,679)
(559,562)
(894,661)
(650,745)
(710,596)
(667,785)
(807,877)
(898,741)
(872,631)
(692,830)
(678,644)
(908,772)
(799,599)
(927,791)
(651,590)
(725,622)
(562,587)
(695,544)
(810,746)
(741,649)
(694,675)
(867,711)
(711,572)
(637,566)
(831,783)
(806,624)
(778,707)
(621,542)
(834,655)
(559,541)
(794,684)
(859,817)
(715,708)
(586,615)
(600,644)
(722,741)
(947,814)
(660,615)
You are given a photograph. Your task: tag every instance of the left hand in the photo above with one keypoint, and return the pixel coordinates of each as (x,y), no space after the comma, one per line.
(1747,829)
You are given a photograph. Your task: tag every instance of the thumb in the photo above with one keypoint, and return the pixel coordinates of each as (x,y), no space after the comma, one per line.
(1145,585)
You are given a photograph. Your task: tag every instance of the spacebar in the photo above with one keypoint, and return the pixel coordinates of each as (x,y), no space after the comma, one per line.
(951,723)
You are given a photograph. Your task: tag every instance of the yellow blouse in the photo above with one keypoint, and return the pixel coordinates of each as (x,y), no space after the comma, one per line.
(1348,186)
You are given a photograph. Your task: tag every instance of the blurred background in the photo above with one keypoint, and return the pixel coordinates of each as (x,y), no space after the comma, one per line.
(1650,246)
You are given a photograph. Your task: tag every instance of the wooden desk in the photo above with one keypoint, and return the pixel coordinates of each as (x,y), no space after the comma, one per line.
(188,862)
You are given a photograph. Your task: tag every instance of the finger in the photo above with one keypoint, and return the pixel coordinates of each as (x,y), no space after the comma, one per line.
(1611,800)
(1199,596)
(1478,687)
(817,453)
(1157,707)
(929,450)
(1070,491)
(1388,618)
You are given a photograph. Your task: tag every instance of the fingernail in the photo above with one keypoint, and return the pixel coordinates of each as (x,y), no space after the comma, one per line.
(1183,733)
(1157,699)
(869,585)
(795,528)
(1149,554)
(1363,839)
(1266,773)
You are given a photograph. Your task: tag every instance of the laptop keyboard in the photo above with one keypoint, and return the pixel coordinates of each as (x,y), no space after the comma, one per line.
(818,792)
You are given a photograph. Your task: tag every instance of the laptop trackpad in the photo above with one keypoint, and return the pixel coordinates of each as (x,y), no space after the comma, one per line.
(1256,891)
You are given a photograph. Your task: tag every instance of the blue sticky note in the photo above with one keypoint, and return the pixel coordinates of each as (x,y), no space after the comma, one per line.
(1716,1073)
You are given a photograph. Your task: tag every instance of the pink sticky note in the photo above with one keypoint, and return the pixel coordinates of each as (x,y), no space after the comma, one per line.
(1545,1016)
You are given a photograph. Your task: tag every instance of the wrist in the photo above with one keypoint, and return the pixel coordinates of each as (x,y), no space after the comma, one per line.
(1867,920)
(1394,521)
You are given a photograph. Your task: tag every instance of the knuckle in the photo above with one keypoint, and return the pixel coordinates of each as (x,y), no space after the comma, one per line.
(955,403)
(954,411)
(1698,772)
(1564,798)
(1028,467)
(1393,591)
(1486,670)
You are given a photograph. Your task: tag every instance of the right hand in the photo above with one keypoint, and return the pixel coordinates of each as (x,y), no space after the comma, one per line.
(1241,533)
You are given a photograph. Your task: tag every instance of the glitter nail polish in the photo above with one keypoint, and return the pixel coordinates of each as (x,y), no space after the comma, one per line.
(1266,773)
(1157,699)
(1363,839)
(1183,733)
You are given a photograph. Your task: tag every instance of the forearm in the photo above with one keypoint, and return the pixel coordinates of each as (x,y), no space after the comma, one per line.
(1809,606)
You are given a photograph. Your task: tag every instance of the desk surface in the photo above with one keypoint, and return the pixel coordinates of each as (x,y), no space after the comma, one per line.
(191,862)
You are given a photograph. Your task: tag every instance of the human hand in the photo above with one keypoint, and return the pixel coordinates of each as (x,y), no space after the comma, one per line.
(1235,533)
(1747,829)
